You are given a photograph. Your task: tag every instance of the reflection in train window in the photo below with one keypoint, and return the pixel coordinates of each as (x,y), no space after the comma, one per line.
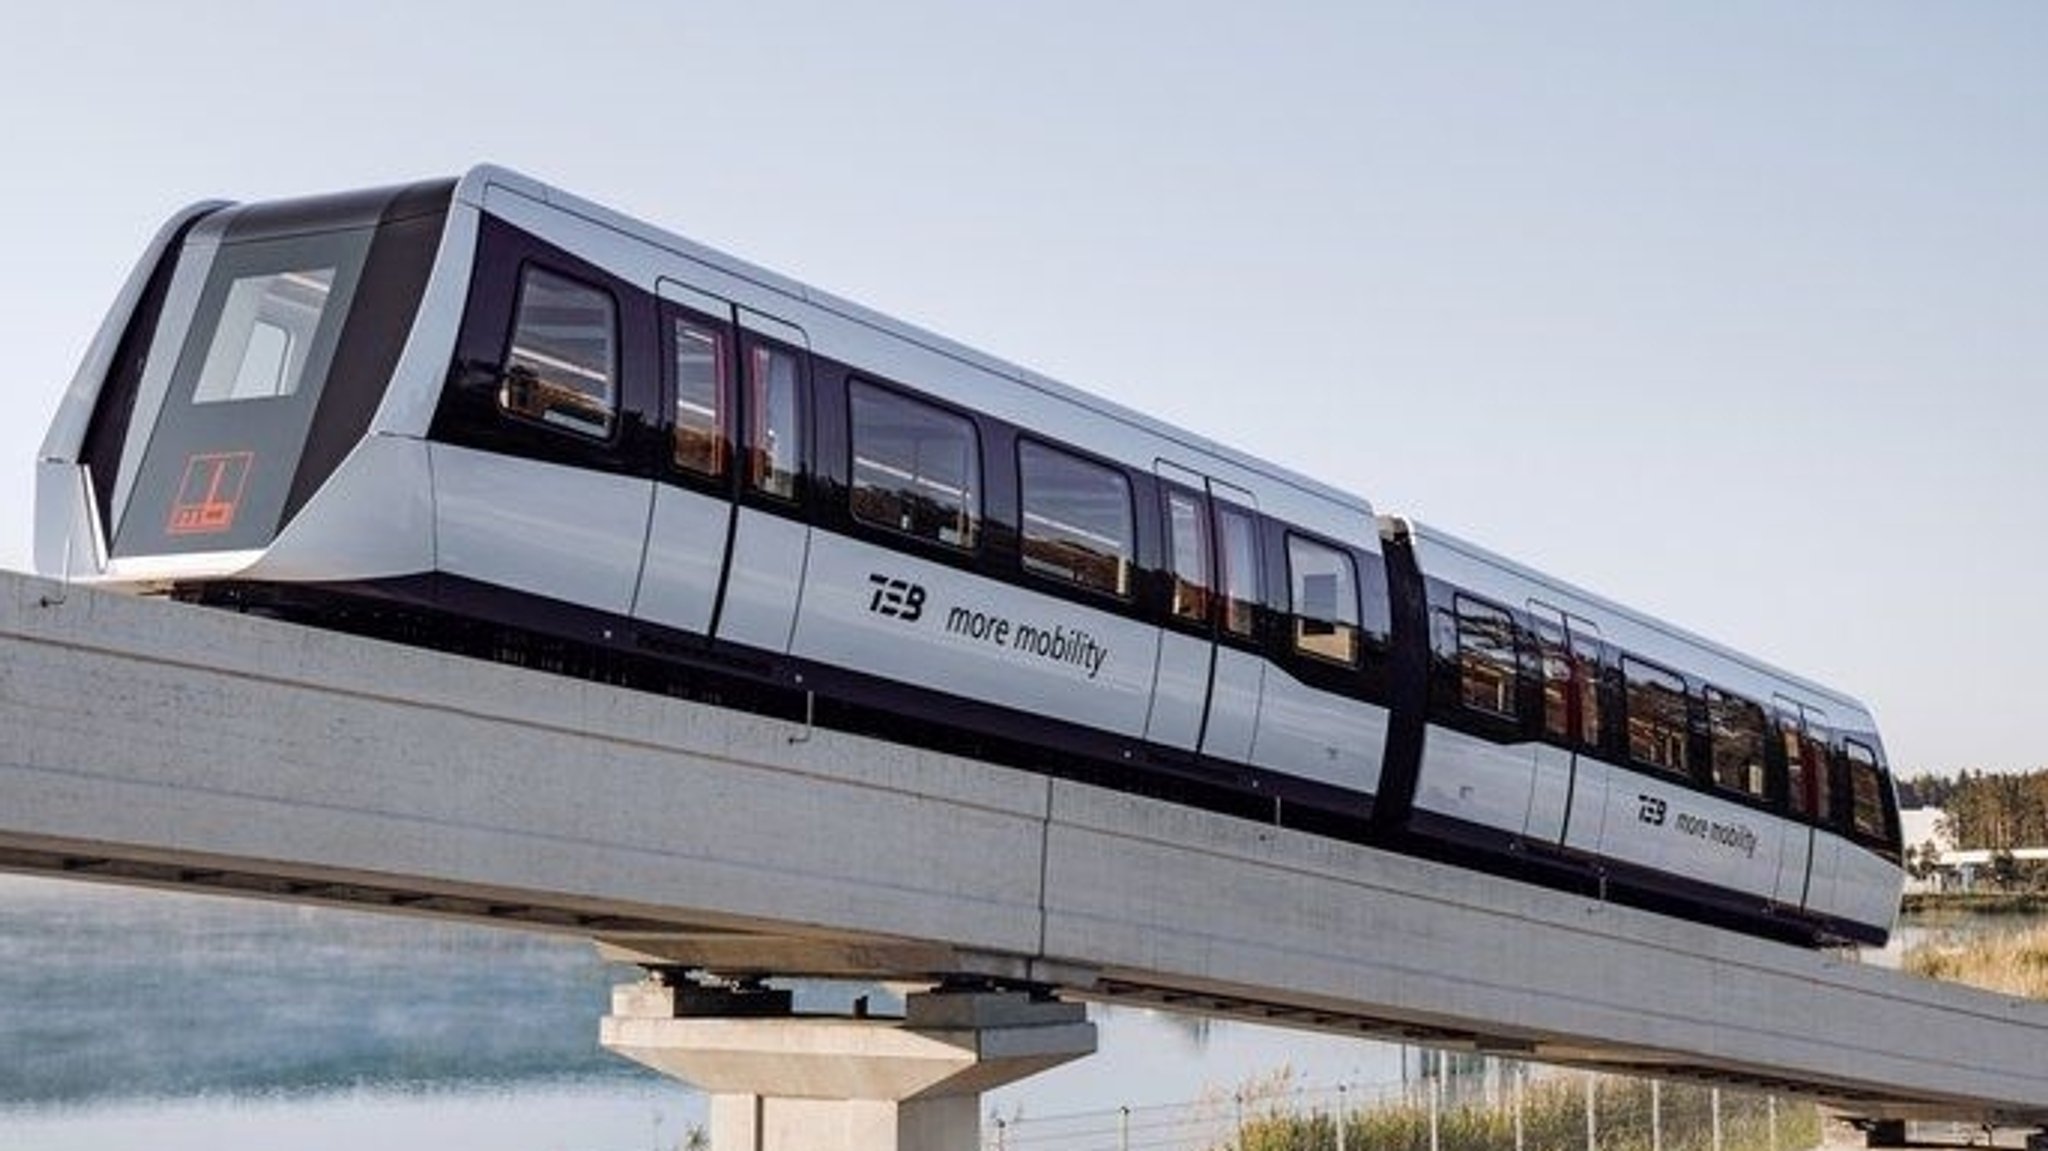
(1656,708)
(1808,779)
(772,460)
(1866,792)
(1078,524)
(1187,530)
(1486,657)
(700,397)
(1571,687)
(1324,599)
(1238,549)
(916,468)
(1735,741)
(264,336)
(562,369)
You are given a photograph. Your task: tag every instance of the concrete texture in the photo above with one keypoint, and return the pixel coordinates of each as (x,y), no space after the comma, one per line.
(796,1083)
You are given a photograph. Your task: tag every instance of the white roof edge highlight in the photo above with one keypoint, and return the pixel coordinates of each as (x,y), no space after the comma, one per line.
(474,183)
(1441,538)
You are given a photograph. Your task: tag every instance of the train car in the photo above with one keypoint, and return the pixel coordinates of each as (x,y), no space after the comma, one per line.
(489,416)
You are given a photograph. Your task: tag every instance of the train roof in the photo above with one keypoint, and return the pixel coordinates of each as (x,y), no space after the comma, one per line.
(474,183)
(1600,605)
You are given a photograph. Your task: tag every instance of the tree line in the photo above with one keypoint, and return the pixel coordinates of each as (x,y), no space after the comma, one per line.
(1987,810)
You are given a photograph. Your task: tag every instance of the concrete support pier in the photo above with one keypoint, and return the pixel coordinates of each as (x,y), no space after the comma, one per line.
(785,1082)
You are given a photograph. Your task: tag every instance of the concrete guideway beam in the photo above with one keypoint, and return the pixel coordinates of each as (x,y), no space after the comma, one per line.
(806,1083)
(153,743)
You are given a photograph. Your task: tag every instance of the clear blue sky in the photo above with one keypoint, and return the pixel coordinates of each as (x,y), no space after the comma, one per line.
(1736,312)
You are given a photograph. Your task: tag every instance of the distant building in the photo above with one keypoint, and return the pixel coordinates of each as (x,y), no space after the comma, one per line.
(1928,836)
(1925,828)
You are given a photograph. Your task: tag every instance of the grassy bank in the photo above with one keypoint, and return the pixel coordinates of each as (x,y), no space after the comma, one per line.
(2015,962)
(1553,1114)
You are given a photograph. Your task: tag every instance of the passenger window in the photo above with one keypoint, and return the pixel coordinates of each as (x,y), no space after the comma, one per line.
(1078,524)
(916,468)
(562,369)
(1866,792)
(1486,657)
(1187,531)
(1237,536)
(1324,601)
(1736,738)
(772,444)
(1656,709)
(700,397)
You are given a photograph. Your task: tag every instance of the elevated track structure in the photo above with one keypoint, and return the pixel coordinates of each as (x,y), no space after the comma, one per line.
(157,744)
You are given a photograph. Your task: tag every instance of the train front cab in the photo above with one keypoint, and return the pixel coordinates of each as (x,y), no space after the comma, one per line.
(244,362)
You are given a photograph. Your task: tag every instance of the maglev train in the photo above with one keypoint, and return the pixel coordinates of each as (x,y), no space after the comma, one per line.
(489,416)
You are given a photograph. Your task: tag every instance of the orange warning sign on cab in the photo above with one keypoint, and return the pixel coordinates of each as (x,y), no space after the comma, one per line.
(209,493)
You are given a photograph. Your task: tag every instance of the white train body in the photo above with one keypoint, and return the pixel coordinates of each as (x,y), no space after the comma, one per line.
(486,403)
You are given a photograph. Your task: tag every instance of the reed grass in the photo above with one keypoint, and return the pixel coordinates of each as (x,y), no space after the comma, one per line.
(2013,962)
(1553,1115)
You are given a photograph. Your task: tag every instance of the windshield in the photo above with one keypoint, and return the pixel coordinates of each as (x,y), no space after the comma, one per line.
(267,352)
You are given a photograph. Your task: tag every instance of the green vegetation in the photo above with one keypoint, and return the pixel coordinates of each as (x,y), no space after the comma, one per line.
(2014,962)
(1553,1116)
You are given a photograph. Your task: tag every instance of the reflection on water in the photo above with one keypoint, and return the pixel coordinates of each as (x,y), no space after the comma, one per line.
(126,993)
(541,1117)
(138,1019)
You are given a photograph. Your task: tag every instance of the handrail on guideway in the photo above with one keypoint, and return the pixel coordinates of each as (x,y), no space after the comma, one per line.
(156,743)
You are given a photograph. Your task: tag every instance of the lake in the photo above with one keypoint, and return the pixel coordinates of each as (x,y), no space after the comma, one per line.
(169,1021)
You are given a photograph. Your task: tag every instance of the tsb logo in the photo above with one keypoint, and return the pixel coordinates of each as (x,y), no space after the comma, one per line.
(1652,811)
(897,599)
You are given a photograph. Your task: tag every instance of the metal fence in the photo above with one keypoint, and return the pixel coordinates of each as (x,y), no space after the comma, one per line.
(1489,1105)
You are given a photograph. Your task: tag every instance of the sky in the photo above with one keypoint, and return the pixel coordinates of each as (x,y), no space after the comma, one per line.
(1733,312)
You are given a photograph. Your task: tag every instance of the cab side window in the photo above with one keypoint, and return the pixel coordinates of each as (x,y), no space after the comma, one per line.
(561,370)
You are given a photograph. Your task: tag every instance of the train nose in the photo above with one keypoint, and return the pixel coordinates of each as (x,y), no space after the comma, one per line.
(260,341)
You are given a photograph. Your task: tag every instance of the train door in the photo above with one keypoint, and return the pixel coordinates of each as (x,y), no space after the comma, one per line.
(1187,645)
(1568,718)
(770,540)
(538,444)
(1237,676)
(1808,860)
(691,526)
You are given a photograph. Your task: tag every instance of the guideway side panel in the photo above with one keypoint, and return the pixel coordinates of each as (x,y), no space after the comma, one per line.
(1193,902)
(155,742)
(154,731)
